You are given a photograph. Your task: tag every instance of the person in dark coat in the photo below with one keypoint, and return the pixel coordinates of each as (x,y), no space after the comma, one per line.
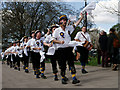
(113,51)
(103,46)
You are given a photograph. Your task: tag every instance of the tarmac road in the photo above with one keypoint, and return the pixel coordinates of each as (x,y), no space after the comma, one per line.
(97,77)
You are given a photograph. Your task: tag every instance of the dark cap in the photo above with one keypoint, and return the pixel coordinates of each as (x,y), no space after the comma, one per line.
(37,32)
(25,37)
(32,32)
(63,17)
(54,25)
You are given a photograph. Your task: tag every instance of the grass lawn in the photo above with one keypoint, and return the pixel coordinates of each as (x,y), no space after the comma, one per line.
(92,61)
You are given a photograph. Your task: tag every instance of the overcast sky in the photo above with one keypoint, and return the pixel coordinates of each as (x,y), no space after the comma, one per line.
(102,18)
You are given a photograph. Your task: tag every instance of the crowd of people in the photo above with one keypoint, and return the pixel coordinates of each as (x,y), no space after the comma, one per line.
(109,49)
(60,49)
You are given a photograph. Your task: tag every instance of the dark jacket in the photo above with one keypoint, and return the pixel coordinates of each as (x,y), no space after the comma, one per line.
(103,42)
(110,48)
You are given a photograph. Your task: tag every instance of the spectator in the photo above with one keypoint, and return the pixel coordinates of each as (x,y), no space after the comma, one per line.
(112,50)
(103,46)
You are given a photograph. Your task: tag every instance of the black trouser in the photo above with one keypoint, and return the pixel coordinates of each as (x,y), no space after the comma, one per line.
(33,59)
(83,54)
(115,56)
(66,54)
(54,59)
(29,56)
(9,59)
(36,62)
(18,60)
(104,58)
(25,60)
(53,62)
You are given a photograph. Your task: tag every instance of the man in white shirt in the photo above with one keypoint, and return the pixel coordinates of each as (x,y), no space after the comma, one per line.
(62,38)
(31,53)
(12,55)
(19,54)
(8,56)
(53,54)
(82,36)
(37,47)
(25,54)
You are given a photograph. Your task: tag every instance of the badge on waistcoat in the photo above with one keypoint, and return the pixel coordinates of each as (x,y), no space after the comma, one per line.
(62,34)
(41,42)
(37,44)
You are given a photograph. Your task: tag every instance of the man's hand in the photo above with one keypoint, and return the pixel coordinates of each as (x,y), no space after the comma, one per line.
(77,23)
(39,48)
(81,15)
(49,45)
(61,42)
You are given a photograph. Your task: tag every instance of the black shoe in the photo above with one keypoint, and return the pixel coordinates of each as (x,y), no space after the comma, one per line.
(37,76)
(26,71)
(75,81)
(56,79)
(15,68)
(64,81)
(39,73)
(43,77)
(7,63)
(65,78)
(11,66)
(115,67)
(84,71)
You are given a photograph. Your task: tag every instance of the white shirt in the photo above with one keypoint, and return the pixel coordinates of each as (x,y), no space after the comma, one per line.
(24,45)
(29,43)
(49,39)
(37,44)
(80,37)
(19,51)
(11,49)
(51,49)
(61,35)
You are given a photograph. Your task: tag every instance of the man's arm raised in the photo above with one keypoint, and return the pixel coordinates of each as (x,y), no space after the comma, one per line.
(78,22)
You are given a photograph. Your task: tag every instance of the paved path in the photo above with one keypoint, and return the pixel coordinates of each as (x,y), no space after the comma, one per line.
(97,77)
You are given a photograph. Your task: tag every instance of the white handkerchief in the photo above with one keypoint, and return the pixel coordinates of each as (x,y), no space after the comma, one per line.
(42,56)
(79,43)
(20,55)
(72,43)
(7,56)
(91,6)
(75,43)
(51,51)
(11,58)
(25,51)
